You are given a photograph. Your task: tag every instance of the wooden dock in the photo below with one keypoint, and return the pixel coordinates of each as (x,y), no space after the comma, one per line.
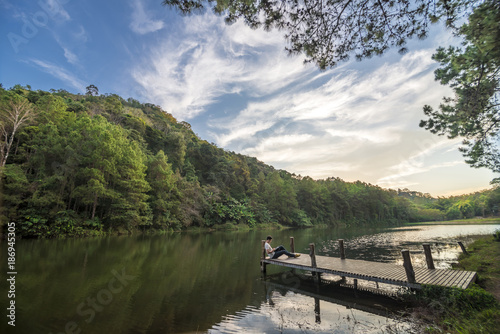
(387,273)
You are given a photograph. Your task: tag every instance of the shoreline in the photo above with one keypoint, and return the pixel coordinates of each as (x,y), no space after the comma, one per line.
(492,220)
(473,310)
(92,233)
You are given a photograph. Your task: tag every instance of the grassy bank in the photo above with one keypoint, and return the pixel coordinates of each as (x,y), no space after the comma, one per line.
(484,258)
(474,310)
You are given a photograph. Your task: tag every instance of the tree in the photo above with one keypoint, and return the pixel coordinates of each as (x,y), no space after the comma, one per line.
(164,193)
(92,90)
(474,75)
(280,198)
(14,113)
(330,31)
(15,186)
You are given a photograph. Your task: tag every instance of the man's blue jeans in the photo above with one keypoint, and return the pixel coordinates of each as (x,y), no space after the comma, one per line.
(280,250)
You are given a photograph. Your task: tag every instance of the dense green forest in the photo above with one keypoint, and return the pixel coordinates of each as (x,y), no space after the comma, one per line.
(73,164)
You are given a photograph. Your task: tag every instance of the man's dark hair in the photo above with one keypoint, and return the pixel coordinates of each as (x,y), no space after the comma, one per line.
(269,237)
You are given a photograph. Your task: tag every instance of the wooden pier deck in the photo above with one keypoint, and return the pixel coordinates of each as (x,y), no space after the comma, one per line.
(376,271)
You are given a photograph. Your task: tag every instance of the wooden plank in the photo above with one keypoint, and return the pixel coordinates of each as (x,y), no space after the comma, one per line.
(401,276)
(466,281)
(447,280)
(383,271)
(442,279)
(450,278)
(458,278)
(471,280)
(430,276)
(453,275)
(423,275)
(457,282)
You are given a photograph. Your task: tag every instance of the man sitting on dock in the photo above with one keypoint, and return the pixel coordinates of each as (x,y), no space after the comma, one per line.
(275,253)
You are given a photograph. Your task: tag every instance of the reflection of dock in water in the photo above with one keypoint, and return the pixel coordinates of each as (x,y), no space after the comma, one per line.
(405,275)
(366,302)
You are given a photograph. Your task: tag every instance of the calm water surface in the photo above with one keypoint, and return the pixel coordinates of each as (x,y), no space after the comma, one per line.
(199,283)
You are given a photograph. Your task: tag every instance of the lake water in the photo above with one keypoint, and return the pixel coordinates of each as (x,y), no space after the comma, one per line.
(209,282)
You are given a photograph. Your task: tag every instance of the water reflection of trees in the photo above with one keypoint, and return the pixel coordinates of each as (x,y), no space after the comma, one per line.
(181,282)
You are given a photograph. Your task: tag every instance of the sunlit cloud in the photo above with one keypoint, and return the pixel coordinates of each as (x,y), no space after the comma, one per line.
(355,124)
(70,56)
(142,23)
(421,161)
(55,8)
(186,75)
(60,73)
(80,35)
(398,180)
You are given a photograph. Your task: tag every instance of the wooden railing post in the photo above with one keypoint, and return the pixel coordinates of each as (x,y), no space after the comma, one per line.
(428,256)
(317,311)
(410,274)
(342,255)
(341,248)
(312,254)
(263,249)
(263,257)
(292,245)
(462,247)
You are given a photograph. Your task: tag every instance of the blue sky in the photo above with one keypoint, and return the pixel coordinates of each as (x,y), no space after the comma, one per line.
(239,89)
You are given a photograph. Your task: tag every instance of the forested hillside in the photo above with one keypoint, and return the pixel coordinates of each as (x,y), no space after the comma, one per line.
(484,203)
(73,164)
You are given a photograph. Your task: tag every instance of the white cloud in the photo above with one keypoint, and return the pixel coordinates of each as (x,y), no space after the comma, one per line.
(80,35)
(60,73)
(422,160)
(142,23)
(370,106)
(206,59)
(53,7)
(70,56)
(356,124)
(63,42)
(399,180)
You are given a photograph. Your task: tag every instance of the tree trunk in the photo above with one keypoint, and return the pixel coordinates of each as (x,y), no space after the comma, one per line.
(94,206)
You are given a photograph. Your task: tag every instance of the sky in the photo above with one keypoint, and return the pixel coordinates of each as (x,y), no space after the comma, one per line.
(240,90)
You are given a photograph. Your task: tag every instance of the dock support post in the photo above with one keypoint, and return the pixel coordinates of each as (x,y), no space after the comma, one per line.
(355,284)
(263,257)
(410,273)
(462,247)
(292,245)
(317,311)
(312,254)
(341,248)
(342,255)
(428,256)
